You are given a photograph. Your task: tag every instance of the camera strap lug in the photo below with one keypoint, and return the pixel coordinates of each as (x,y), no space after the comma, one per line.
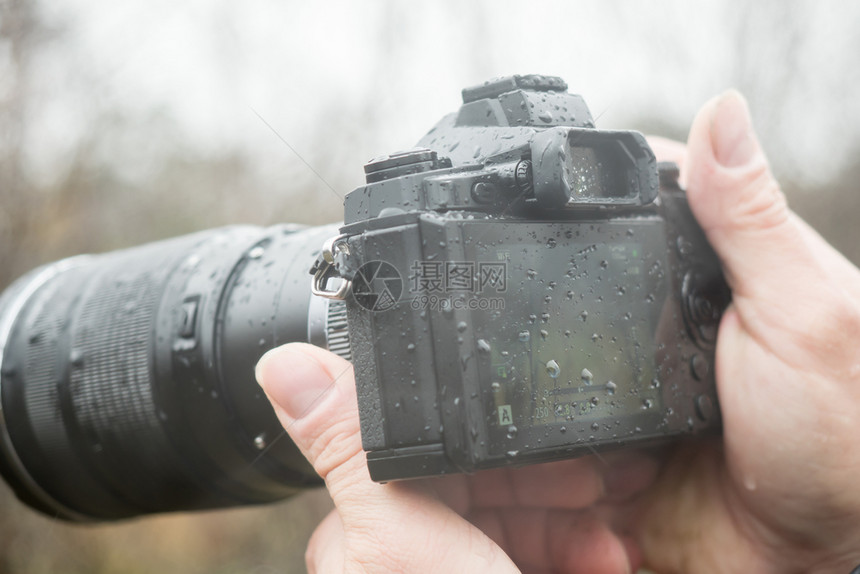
(327,266)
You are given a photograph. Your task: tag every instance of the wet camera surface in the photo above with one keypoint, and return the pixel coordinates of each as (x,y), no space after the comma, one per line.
(523,287)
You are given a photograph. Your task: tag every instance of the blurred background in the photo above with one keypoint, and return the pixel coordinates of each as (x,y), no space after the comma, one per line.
(126,122)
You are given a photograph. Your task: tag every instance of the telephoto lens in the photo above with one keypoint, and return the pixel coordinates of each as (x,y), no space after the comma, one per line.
(127,379)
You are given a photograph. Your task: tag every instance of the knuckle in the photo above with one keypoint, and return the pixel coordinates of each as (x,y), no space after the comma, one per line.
(761,205)
(333,446)
(376,554)
(325,547)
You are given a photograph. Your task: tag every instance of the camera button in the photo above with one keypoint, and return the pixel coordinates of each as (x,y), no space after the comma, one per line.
(702,305)
(699,367)
(188,320)
(684,247)
(704,407)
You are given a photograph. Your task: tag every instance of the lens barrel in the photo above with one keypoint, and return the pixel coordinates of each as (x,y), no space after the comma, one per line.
(127,379)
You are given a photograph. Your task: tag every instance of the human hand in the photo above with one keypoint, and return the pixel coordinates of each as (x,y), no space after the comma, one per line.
(781,492)
(554,517)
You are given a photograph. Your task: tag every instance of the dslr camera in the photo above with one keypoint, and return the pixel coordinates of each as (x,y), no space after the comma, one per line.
(521,287)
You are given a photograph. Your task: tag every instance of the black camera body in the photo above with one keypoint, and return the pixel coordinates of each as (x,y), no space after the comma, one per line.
(522,288)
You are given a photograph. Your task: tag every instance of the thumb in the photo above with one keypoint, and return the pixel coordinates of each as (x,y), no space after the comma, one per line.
(735,197)
(784,290)
(313,394)
(387,526)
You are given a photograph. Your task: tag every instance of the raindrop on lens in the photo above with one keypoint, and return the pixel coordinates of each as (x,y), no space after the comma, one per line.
(552,368)
(77,358)
(524,336)
(587,377)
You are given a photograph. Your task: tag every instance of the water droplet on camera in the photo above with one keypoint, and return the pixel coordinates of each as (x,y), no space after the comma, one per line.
(484,346)
(524,336)
(552,369)
(587,377)
(76,357)
(260,441)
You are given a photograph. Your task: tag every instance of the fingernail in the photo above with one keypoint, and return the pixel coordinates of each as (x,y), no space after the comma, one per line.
(292,379)
(732,135)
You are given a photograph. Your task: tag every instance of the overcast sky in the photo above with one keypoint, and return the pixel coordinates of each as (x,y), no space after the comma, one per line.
(343,81)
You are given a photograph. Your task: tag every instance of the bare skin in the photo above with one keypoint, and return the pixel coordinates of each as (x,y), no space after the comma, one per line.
(544,518)
(778,494)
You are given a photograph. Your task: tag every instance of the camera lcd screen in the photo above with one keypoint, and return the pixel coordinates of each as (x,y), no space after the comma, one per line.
(567,349)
